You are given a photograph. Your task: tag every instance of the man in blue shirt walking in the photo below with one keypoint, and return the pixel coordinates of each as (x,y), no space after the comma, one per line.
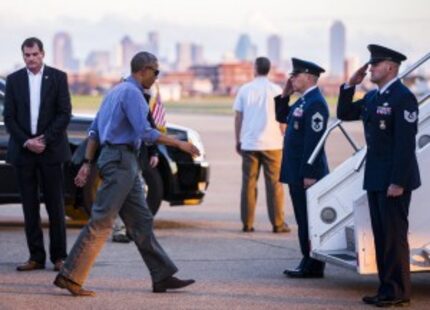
(120,127)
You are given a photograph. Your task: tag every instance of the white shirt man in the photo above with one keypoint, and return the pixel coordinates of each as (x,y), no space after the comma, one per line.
(259,141)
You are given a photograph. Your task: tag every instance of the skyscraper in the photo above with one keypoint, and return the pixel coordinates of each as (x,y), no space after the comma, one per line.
(127,50)
(183,56)
(63,52)
(154,43)
(245,50)
(274,49)
(337,49)
(98,61)
(197,57)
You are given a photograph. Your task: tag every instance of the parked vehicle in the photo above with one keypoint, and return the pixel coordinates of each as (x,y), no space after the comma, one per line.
(178,179)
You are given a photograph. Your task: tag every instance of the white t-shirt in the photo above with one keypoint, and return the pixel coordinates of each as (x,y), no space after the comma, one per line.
(260,130)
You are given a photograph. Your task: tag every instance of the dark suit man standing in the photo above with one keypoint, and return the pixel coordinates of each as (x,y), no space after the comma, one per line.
(307,120)
(390,118)
(37,112)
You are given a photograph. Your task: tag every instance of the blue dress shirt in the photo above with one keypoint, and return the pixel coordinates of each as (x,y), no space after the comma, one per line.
(122,117)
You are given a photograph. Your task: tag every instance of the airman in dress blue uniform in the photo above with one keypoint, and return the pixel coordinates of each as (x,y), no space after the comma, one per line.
(390,117)
(307,120)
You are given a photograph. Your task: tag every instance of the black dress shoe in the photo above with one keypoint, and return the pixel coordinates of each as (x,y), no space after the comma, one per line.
(303,273)
(371,300)
(247,228)
(170,283)
(281,229)
(58,264)
(74,288)
(398,302)
(30,265)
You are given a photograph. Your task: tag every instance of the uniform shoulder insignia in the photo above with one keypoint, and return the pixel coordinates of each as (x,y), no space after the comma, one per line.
(317,122)
(411,117)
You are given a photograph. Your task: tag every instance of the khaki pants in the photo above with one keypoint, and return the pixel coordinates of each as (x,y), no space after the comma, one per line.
(251,163)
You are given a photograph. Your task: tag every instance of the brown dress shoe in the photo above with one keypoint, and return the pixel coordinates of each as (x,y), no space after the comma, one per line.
(58,264)
(30,265)
(281,229)
(247,228)
(74,288)
(170,283)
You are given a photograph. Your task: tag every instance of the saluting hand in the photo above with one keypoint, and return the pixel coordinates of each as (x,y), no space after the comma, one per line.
(82,176)
(189,148)
(288,89)
(358,76)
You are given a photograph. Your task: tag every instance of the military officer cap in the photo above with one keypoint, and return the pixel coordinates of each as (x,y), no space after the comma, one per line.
(380,53)
(303,66)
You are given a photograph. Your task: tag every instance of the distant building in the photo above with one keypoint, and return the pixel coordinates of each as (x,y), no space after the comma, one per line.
(128,48)
(63,53)
(197,57)
(98,62)
(352,64)
(337,49)
(209,72)
(154,43)
(274,49)
(233,75)
(184,58)
(245,50)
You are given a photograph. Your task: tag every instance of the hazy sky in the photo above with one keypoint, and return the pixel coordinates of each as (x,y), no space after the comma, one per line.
(303,25)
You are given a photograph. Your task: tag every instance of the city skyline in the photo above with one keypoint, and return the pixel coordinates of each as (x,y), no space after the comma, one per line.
(216,25)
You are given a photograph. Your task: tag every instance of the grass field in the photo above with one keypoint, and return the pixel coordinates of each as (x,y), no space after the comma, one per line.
(203,105)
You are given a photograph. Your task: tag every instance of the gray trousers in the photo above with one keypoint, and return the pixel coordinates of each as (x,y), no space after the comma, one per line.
(251,164)
(121,192)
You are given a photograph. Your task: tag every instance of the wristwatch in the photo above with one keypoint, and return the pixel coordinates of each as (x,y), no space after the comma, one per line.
(87,161)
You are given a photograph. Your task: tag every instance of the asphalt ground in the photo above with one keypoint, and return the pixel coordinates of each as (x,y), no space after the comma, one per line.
(233,270)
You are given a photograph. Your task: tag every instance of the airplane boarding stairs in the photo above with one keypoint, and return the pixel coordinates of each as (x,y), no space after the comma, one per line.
(339,222)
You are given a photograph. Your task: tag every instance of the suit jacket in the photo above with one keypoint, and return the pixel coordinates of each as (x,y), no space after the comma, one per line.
(390,125)
(307,121)
(54,116)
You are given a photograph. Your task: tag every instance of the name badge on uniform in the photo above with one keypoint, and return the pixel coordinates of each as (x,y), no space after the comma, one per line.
(298,112)
(382,124)
(384,109)
(411,117)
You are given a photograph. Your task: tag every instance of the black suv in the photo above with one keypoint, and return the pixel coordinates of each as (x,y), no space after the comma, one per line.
(178,179)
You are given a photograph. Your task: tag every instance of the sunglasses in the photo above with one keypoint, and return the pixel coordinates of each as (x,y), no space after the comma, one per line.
(156,71)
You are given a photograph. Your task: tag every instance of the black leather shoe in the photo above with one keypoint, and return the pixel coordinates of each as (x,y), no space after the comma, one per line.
(281,229)
(74,288)
(58,264)
(30,265)
(371,300)
(170,283)
(247,228)
(303,273)
(386,303)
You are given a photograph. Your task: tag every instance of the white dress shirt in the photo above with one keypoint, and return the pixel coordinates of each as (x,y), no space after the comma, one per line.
(308,91)
(35,87)
(385,87)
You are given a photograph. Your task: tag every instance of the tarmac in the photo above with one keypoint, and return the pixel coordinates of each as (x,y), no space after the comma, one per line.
(232,269)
